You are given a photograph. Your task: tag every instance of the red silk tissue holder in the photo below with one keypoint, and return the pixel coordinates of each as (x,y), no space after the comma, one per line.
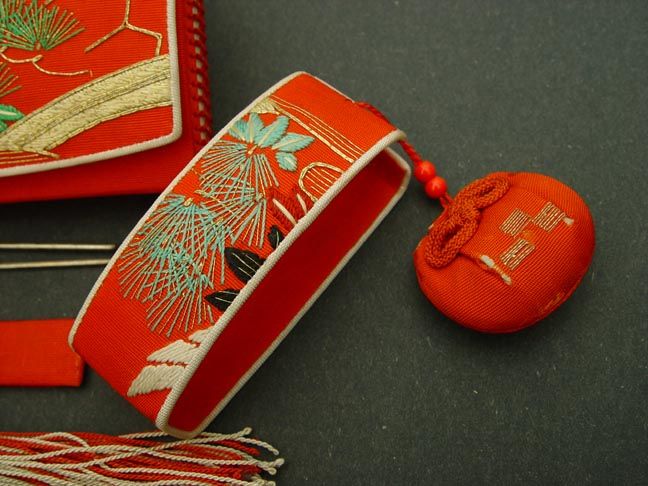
(236,249)
(104,97)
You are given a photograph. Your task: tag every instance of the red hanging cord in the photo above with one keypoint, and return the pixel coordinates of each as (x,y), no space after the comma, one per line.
(435,186)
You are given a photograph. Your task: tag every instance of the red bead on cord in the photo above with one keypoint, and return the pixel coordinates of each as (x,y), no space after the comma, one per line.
(435,186)
(424,171)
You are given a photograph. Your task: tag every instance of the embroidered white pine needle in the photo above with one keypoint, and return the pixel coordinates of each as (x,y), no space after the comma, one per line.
(168,365)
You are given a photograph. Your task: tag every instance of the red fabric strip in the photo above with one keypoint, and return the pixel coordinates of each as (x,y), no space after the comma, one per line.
(36,353)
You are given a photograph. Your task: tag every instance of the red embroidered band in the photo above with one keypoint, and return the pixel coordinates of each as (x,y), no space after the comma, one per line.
(237,249)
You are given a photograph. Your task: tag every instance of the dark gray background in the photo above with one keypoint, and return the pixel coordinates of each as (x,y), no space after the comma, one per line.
(374,386)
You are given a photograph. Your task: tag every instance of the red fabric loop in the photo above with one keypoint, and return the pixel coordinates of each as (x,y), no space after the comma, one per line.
(460,220)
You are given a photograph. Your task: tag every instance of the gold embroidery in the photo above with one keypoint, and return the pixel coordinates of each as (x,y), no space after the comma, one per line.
(265,106)
(36,27)
(333,139)
(7,79)
(316,178)
(315,123)
(516,253)
(35,60)
(549,217)
(138,87)
(515,222)
(14,158)
(126,25)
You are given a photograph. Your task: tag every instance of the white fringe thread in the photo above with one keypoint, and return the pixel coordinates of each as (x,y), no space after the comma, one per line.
(18,467)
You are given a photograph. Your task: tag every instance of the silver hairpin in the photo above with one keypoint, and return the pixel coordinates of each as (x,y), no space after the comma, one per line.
(56,247)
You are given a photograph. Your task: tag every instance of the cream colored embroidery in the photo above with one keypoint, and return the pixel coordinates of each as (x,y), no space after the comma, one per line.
(265,106)
(549,217)
(515,222)
(138,87)
(327,133)
(490,263)
(315,179)
(126,25)
(170,363)
(516,253)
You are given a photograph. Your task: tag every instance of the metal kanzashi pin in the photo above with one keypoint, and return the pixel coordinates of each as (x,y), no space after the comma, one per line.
(84,262)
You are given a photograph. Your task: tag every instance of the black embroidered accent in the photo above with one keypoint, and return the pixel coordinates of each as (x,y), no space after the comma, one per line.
(275,236)
(243,263)
(222,299)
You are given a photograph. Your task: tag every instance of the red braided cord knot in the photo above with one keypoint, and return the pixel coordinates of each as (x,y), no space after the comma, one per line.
(460,220)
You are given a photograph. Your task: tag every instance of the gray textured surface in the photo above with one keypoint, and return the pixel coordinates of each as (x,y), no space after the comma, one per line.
(374,386)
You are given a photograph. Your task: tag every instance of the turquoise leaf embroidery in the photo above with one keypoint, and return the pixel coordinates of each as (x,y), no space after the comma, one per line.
(239,129)
(10,113)
(255,126)
(243,160)
(292,142)
(3,126)
(272,133)
(287,161)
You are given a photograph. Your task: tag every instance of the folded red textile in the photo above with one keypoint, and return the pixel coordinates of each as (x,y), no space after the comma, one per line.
(36,353)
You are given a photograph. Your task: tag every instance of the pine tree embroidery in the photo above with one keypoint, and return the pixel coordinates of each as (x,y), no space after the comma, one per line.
(179,255)
(36,27)
(172,261)
(33,27)
(239,173)
(8,113)
(247,159)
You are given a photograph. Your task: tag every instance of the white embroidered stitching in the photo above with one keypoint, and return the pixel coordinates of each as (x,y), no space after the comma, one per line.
(490,263)
(138,87)
(171,361)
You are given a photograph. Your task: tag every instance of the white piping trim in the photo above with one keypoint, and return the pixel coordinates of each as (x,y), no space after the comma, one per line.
(161,197)
(171,400)
(176,105)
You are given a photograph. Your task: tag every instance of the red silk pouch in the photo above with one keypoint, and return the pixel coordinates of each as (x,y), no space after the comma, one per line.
(506,252)
(100,97)
(236,249)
